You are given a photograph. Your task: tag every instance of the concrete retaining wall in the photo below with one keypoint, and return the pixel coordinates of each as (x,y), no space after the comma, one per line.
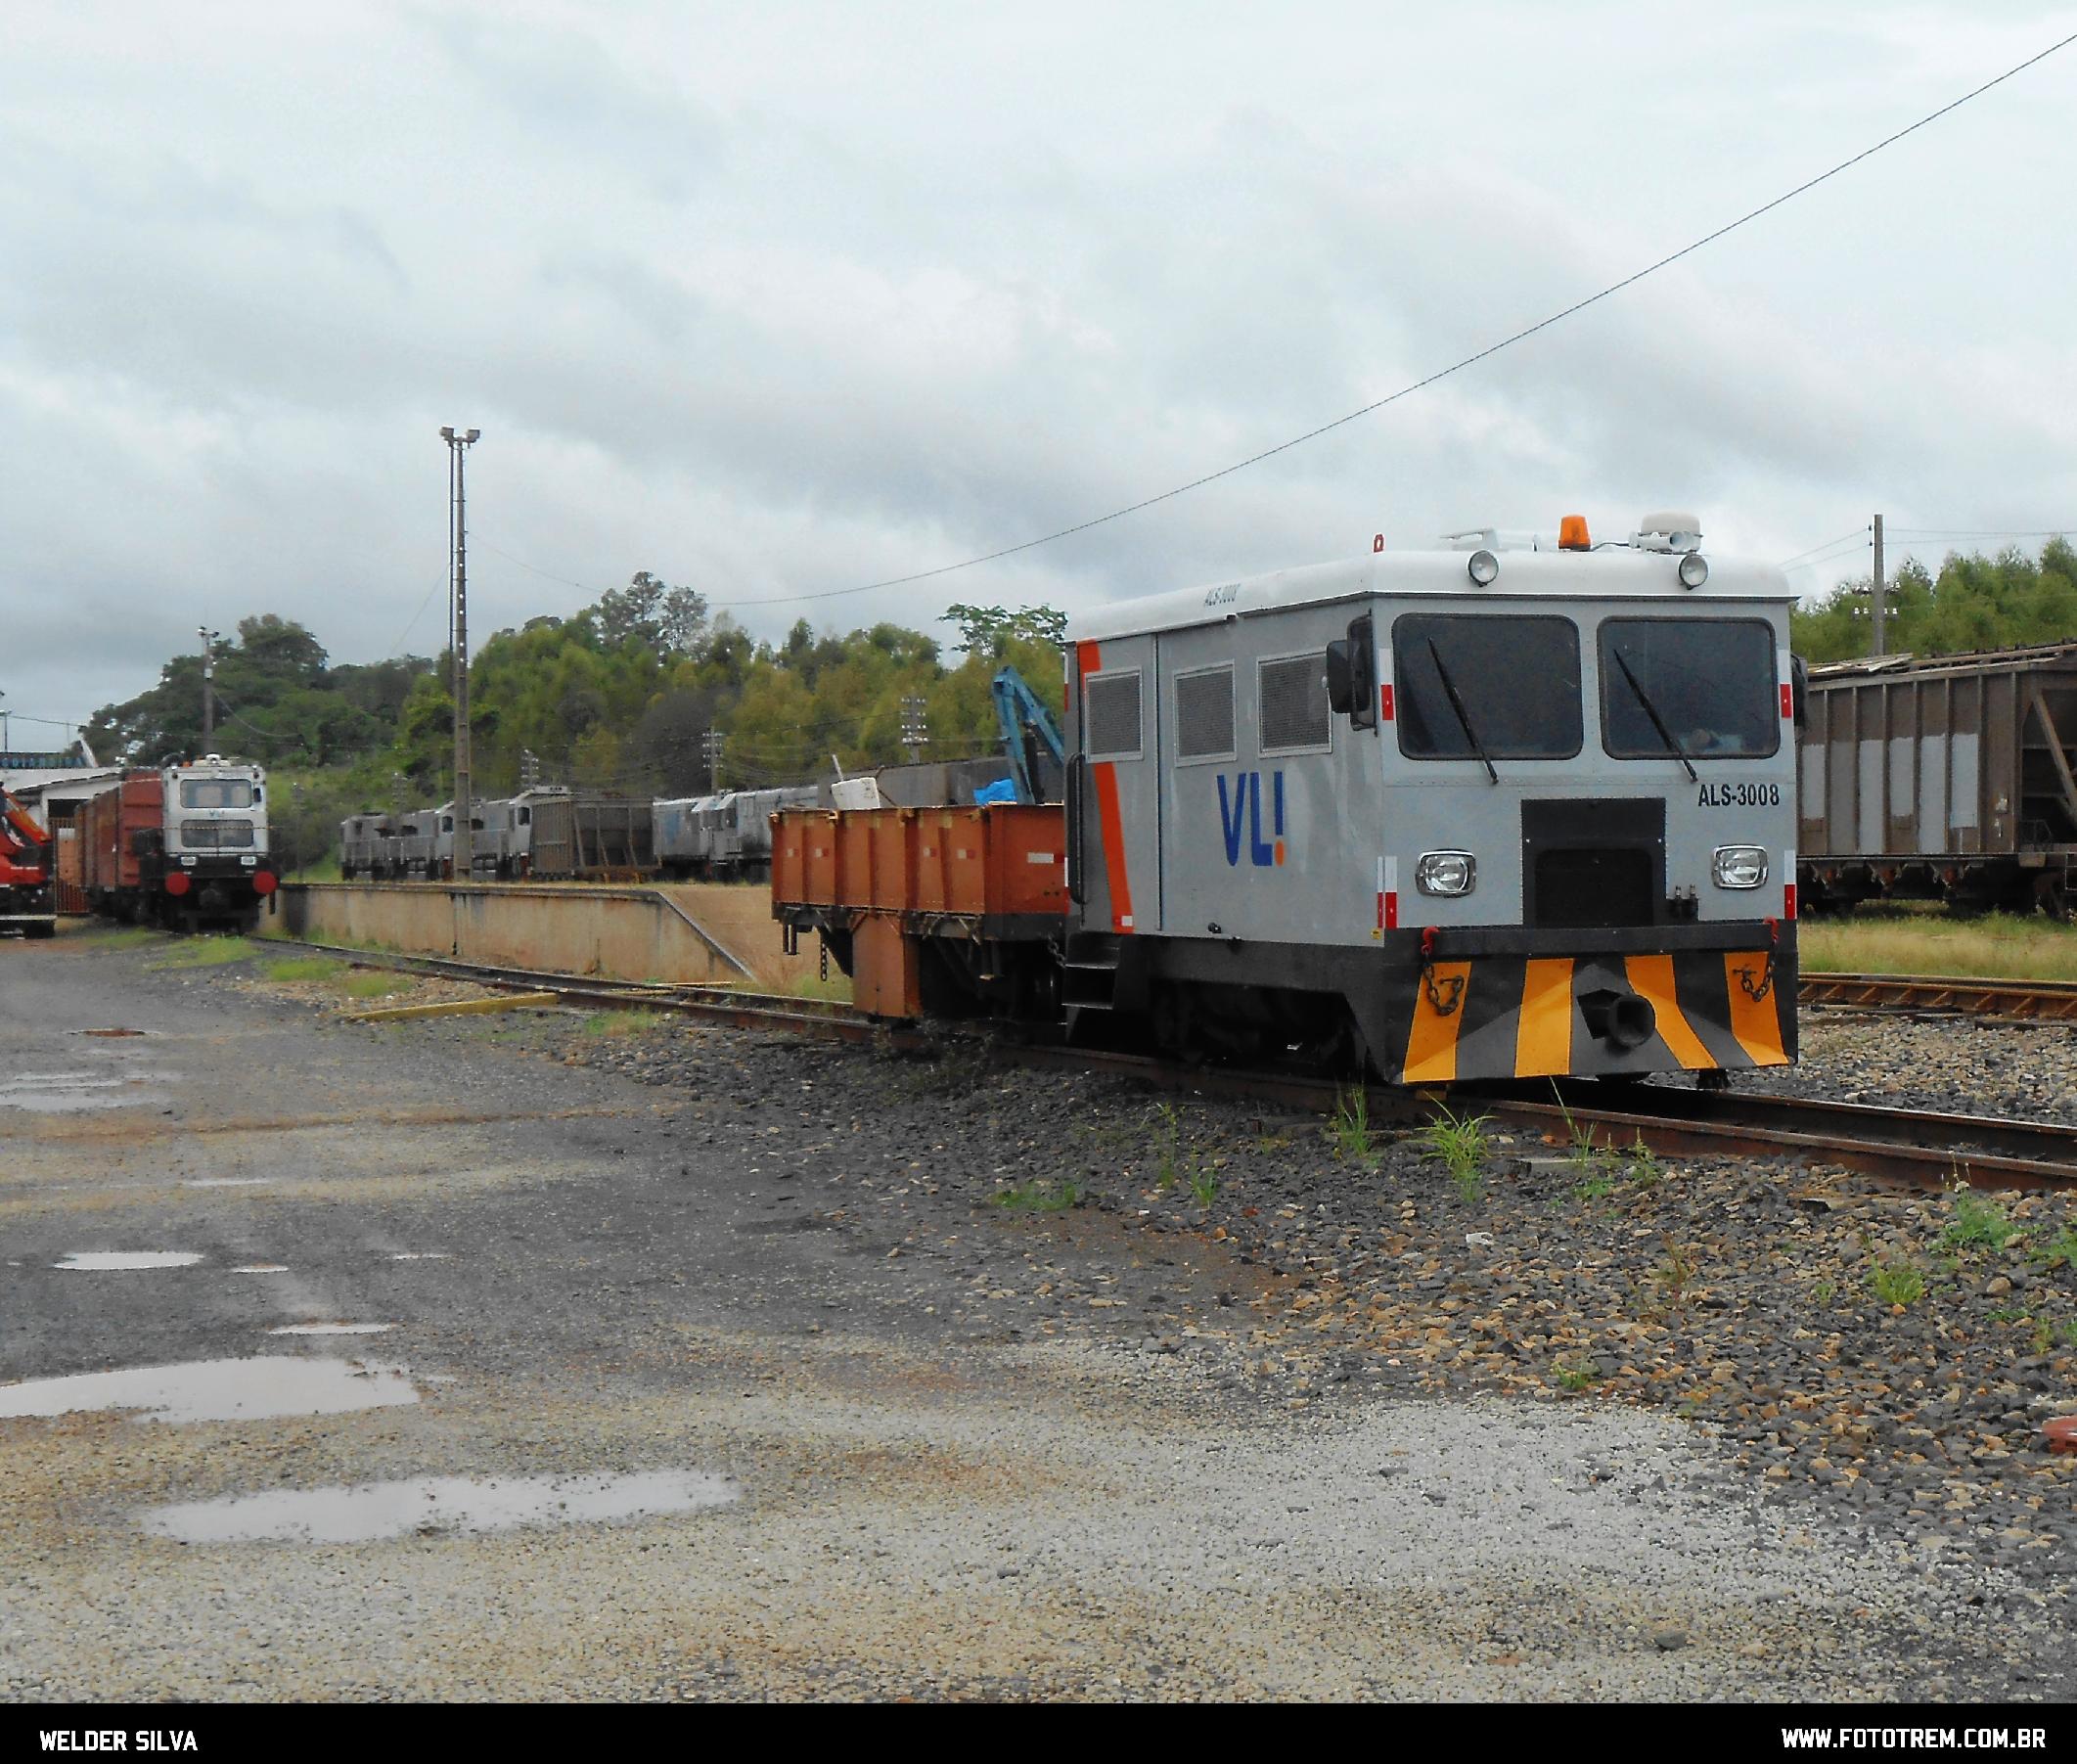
(615,933)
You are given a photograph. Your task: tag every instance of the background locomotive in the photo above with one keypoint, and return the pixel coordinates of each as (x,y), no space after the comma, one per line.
(726,837)
(1480,812)
(547,834)
(184,848)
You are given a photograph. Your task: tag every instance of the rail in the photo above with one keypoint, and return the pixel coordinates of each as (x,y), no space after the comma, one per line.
(1997,1000)
(1923,1149)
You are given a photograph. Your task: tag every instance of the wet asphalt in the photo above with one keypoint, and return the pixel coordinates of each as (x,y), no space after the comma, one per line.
(549,1282)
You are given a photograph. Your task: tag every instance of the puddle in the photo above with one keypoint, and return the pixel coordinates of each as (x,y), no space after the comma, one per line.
(420,1255)
(249,1390)
(104,1262)
(329,1328)
(62,1093)
(434,1505)
(262,1268)
(226,1182)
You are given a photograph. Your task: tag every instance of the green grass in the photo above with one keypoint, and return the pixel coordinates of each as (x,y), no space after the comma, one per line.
(1038,1196)
(1574,1378)
(376,986)
(1204,1184)
(1459,1144)
(2060,1250)
(1898,1283)
(1977,1223)
(1168,1149)
(1676,1274)
(836,989)
(204,952)
(1998,946)
(1355,1139)
(127,936)
(303,968)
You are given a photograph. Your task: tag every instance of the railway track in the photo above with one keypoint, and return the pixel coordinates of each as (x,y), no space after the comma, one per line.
(715,1003)
(1925,1148)
(1998,1001)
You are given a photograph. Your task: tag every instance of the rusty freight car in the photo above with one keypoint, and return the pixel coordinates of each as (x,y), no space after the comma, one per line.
(1949,778)
(585,836)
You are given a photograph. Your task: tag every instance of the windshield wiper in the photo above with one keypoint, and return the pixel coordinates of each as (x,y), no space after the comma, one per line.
(1464,716)
(1657,722)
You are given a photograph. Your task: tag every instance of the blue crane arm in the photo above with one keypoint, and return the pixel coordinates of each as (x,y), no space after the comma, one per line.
(1031,737)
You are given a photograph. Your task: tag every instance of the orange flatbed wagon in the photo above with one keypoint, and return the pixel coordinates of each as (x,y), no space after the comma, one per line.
(932,911)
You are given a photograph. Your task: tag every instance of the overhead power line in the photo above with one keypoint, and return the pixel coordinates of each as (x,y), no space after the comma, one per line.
(1859,536)
(1405,392)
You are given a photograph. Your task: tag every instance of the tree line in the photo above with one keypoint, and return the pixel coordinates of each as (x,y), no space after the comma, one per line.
(622,694)
(1973,603)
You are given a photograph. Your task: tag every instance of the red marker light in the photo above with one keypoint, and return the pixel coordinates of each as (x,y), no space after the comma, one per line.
(177,882)
(1378,544)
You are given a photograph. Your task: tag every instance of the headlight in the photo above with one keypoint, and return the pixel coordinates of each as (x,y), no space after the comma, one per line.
(1446,871)
(1740,865)
(189,862)
(1483,567)
(1695,571)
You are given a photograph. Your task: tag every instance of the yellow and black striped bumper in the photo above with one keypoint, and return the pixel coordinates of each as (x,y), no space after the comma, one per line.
(1537,1017)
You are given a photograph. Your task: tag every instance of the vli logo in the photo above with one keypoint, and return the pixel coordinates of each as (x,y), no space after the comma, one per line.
(1241,811)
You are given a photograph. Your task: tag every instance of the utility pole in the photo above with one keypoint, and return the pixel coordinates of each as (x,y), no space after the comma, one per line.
(209,686)
(458,444)
(1876,597)
(915,728)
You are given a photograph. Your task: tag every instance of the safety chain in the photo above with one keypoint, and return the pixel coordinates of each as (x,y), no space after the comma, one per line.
(1443,998)
(1757,990)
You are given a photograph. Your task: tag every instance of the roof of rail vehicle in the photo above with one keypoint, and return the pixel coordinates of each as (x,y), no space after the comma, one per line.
(1614,573)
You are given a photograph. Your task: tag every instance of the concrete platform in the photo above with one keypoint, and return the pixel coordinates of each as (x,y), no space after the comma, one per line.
(620,934)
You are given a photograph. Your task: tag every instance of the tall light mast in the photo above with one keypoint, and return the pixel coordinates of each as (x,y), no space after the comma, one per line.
(458,444)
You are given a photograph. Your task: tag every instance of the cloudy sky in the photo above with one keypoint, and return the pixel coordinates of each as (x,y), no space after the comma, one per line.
(776,300)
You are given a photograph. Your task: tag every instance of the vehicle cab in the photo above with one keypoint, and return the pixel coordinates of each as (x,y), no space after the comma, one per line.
(1535,788)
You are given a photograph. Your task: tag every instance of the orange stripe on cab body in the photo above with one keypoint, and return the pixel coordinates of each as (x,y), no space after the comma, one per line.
(1111,820)
(1543,1033)
(1114,827)
(1651,980)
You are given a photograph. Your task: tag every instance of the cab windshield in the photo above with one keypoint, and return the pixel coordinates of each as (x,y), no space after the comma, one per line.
(1702,687)
(215,792)
(1484,685)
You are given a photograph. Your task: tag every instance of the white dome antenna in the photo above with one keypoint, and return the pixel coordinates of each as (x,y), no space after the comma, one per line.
(1670,529)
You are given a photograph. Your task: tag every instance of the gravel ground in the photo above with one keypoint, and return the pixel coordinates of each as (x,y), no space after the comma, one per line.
(1030,1385)
(1736,1295)
(1952,1064)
